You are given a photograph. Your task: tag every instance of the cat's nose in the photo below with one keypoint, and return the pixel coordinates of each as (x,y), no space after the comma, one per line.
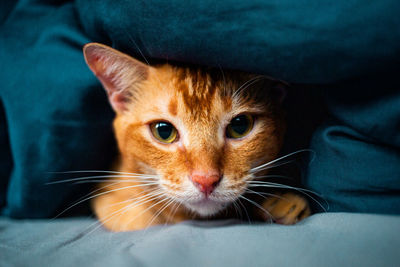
(206,182)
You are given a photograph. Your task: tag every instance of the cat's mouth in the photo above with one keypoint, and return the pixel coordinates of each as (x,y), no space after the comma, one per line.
(206,206)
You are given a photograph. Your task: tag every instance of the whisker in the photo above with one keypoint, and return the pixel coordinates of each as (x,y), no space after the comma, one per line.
(97,177)
(78,201)
(176,209)
(121,211)
(116,181)
(141,53)
(237,210)
(263,194)
(138,199)
(223,78)
(172,212)
(258,206)
(247,84)
(100,171)
(142,200)
(262,167)
(235,203)
(268,176)
(245,210)
(165,205)
(138,202)
(100,223)
(99,194)
(301,190)
(275,185)
(135,202)
(108,217)
(274,165)
(137,47)
(147,209)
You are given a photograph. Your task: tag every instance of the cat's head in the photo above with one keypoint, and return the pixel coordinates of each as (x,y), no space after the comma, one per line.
(201,131)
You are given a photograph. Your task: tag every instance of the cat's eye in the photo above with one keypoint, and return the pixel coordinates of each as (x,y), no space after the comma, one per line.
(240,126)
(164,131)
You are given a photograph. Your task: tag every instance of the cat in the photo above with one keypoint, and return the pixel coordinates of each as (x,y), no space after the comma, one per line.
(193,141)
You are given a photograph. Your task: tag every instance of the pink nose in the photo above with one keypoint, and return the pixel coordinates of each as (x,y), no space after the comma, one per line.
(206,182)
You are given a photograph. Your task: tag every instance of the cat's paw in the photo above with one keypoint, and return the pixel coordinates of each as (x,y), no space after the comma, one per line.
(286,208)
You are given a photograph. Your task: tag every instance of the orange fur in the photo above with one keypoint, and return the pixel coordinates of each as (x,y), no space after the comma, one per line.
(199,102)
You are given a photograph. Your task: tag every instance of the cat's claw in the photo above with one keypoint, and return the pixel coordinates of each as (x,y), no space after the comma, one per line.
(287,208)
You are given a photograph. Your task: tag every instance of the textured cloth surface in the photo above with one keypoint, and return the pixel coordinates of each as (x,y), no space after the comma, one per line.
(297,41)
(54,115)
(330,239)
(357,163)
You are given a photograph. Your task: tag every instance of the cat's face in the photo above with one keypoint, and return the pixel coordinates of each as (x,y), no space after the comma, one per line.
(199,131)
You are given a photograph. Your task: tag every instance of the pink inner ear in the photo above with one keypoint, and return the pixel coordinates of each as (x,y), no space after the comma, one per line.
(99,60)
(117,96)
(117,72)
(281,92)
(99,67)
(118,101)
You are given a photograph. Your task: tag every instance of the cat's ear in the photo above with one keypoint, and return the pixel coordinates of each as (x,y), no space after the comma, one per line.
(118,73)
(280,90)
(267,88)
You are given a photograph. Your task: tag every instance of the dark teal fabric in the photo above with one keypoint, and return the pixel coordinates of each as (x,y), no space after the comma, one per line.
(357,167)
(298,41)
(57,116)
(54,115)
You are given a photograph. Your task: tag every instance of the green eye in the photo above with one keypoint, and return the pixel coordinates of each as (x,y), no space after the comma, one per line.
(240,126)
(164,131)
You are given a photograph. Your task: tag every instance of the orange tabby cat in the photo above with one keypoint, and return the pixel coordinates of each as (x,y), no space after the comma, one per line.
(190,141)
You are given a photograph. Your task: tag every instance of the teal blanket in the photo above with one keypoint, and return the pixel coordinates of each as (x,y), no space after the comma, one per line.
(54,116)
(330,240)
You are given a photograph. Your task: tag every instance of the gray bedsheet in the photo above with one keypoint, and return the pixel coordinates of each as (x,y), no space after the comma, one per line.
(331,239)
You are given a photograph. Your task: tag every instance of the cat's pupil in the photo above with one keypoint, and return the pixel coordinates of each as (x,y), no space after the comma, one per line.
(164,129)
(240,124)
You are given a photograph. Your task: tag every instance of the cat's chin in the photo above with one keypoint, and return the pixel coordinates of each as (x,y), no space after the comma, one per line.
(206,208)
